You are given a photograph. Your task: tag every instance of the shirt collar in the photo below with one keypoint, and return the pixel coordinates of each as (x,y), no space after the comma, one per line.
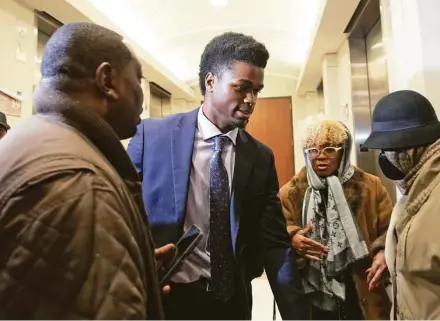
(209,130)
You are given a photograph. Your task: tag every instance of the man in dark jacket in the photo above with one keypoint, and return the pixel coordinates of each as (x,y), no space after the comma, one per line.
(75,242)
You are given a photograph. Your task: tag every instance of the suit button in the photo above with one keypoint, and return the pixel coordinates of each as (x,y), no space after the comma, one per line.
(364,301)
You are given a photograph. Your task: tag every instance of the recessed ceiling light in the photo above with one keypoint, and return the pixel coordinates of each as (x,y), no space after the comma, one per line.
(219,3)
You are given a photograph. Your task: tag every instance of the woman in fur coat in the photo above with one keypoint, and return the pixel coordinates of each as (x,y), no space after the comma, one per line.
(337,216)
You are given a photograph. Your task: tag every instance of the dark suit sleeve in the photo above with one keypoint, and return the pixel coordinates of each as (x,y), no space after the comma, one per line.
(279,261)
(136,149)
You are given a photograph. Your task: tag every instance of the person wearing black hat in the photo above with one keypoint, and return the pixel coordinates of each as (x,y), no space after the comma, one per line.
(406,129)
(4,127)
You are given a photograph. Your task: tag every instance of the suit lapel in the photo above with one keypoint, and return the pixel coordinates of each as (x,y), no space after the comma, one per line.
(244,161)
(182,142)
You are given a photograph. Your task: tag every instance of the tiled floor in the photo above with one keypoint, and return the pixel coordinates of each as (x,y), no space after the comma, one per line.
(262,300)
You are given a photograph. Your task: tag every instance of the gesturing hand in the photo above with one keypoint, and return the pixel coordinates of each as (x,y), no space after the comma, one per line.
(308,247)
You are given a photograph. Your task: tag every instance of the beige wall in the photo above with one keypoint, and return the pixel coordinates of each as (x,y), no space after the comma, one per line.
(345,92)
(42,39)
(166,106)
(336,70)
(275,86)
(411,31)
(179,105)
(312,103)
(17,75)
(335,102)
(23,76)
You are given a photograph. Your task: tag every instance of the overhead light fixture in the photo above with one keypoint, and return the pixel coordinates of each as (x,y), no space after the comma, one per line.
(219,3)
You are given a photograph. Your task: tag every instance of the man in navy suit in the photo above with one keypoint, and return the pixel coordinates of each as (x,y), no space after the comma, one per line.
(203,168)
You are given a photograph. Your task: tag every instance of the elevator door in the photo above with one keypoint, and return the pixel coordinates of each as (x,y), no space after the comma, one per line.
(376,65)
(377,85)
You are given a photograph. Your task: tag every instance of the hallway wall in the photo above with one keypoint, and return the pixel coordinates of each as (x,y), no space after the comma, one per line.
(411,31)
(22,76)
(310,104)
(337,77)
(278,86)
(18,54)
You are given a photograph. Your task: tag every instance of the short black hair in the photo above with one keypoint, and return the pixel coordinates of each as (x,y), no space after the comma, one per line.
(75,51)
(228,48)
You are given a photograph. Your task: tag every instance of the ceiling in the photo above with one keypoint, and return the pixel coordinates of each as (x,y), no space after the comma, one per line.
(175,32)
(328,37)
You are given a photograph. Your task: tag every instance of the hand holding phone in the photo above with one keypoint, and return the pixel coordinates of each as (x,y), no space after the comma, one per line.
(184,247)
(163,255)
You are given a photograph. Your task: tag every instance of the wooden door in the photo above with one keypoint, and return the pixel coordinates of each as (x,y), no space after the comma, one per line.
(271,124)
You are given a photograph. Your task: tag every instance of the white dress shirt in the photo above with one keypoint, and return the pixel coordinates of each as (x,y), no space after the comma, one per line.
(198,204)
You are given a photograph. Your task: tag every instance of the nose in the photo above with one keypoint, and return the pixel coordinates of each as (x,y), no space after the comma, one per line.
(321,155)
(250,98)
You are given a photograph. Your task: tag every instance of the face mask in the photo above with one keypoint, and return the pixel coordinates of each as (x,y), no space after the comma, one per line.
(389,170)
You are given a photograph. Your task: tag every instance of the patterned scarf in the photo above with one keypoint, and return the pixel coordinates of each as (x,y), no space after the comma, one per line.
(410,162)
(334,227)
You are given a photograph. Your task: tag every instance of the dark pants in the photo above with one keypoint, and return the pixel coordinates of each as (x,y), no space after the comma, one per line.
(195,301)
(348,310)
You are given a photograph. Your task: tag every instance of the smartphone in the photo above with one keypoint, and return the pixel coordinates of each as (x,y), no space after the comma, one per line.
(184,247)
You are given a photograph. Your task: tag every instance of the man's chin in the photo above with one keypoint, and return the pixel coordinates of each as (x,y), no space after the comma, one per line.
(128,133)
(240,124)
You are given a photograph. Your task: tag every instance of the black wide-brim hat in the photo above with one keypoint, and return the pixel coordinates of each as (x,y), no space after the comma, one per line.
(403,119)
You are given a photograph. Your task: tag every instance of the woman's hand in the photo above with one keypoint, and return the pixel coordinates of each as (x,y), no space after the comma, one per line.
(376,271)
(308,247)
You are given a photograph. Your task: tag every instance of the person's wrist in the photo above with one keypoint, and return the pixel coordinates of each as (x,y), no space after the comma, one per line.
(377,252)
(293,231)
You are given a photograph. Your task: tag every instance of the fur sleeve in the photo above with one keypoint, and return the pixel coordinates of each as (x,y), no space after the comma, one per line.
(384,209)
(290,209)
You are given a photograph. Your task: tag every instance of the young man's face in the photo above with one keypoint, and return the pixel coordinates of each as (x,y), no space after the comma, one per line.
(234,93)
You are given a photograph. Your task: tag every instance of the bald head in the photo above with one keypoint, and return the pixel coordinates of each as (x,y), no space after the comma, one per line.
(74,52)
(93,68)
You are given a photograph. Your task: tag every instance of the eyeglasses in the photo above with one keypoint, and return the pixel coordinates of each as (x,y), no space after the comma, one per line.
(329,152)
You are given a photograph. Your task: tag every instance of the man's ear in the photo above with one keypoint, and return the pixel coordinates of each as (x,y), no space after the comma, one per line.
(209,81)
(106,77)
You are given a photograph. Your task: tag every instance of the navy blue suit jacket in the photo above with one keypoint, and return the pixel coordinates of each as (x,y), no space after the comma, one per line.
(162,153)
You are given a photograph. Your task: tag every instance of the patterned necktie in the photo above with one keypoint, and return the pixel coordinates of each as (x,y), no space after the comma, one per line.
(222,257)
